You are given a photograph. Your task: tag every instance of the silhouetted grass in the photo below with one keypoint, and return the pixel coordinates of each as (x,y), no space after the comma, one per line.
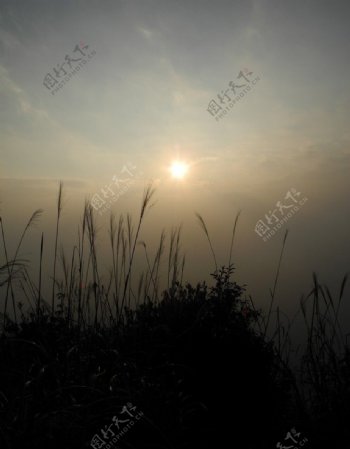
(200,361)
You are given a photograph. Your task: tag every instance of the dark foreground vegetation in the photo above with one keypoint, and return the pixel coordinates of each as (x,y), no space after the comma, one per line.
(187,367)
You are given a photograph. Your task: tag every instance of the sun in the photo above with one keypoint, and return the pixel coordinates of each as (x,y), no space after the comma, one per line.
(178,169)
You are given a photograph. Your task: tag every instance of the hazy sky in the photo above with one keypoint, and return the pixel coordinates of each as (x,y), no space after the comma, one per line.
(142,98)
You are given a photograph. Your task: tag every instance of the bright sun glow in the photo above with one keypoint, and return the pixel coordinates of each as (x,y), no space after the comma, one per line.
(178,169)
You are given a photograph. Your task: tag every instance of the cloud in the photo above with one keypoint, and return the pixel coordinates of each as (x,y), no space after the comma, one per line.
(19,106)
(146,33)
(8,42)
